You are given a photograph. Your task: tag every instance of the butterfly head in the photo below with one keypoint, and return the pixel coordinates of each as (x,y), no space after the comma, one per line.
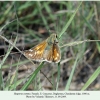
(53,39)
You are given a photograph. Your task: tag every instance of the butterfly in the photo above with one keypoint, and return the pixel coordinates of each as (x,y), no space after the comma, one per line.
(48,50)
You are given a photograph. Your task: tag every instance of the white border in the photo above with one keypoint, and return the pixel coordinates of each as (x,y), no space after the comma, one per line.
(51,95)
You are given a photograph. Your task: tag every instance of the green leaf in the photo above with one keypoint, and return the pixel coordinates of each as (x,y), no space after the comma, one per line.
(32,77)
(69,22)
(92,78)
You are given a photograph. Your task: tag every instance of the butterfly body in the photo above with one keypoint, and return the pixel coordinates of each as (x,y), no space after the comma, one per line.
(48,50)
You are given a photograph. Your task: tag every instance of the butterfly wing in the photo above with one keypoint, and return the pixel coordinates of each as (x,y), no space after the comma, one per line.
(54,54)
(36,53)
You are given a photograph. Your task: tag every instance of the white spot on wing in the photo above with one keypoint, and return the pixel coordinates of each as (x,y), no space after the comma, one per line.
(30,50)
(30,54)
(35,53)
(57,54)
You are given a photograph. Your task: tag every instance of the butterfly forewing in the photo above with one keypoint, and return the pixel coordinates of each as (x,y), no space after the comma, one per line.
(36,53)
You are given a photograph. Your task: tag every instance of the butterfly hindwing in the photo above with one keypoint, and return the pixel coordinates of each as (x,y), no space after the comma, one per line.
(53,54)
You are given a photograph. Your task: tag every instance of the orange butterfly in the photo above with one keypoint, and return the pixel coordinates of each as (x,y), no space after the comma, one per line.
(48,50)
